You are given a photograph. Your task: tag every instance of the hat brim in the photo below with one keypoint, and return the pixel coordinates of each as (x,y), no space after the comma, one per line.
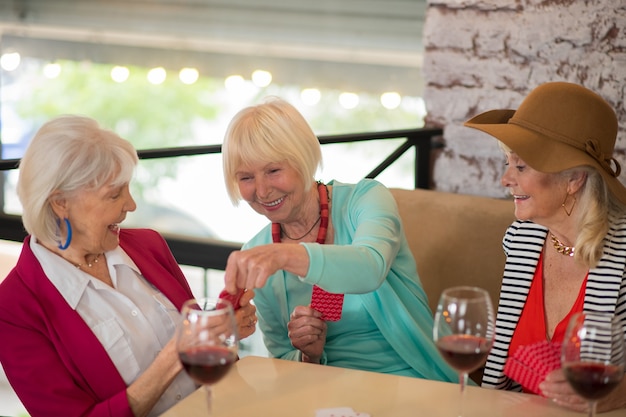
(540,151)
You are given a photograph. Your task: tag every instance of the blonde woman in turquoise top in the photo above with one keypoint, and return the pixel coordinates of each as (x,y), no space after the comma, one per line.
(356,247)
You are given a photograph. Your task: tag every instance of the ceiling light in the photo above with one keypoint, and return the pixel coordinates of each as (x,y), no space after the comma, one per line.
(188,75)
(261,78)
(51,70)
(234,83)
(157,75)
(390,100)
(348,100)
(10,61)
(119,74)
(310,96)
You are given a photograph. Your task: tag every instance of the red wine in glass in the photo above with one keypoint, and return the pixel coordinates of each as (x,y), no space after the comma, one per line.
(465,353)
(207,365)
(593,381)
(594,356)
(463,330)
(207,341)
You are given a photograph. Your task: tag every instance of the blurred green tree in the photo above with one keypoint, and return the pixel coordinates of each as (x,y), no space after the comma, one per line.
(149,116)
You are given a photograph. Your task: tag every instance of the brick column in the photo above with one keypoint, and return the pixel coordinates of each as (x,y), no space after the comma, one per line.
(487,54)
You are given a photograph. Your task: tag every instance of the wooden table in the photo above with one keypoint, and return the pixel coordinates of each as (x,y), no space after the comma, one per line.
(259,387)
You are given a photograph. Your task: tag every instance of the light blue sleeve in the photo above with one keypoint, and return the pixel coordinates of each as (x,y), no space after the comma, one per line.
(368,235)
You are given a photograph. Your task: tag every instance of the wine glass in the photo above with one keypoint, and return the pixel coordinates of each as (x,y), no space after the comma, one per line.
(593,356)
(207,341)
(464,329)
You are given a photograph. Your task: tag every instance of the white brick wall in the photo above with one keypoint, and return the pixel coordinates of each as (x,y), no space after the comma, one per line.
(487,54)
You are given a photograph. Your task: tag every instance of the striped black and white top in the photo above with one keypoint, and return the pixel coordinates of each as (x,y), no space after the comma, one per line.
(523,243)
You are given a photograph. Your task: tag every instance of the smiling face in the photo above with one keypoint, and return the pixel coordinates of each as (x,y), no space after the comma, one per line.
(95,216)
(538,195)
(274,190)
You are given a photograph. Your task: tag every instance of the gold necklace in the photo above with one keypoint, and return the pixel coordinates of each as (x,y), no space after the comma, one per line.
(89,264)
(561,247)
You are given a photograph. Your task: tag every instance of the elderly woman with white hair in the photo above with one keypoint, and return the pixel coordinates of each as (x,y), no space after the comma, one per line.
(87,315)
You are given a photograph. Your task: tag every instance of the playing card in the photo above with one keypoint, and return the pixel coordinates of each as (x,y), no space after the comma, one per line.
(339,412)
(523,374)
(329,304)
(530,364)
(335,412)
(233,298)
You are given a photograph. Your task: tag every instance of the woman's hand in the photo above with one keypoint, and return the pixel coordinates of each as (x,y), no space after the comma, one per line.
(146,390)
(556,387)
(307,332)
(250,268)
(246,315)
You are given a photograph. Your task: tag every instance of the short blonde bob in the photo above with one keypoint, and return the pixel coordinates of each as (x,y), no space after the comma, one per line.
(273,131)
(69,154)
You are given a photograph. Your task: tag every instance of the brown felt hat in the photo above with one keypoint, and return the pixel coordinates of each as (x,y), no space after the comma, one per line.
(558,126)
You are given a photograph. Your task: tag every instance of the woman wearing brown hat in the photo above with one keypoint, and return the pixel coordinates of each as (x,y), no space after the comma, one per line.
(567,251)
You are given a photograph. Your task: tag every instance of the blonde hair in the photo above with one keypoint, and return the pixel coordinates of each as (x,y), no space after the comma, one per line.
(68,154)
(595,202)
(273,131)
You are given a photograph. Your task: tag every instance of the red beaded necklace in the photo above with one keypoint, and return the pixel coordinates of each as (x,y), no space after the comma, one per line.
(323,230)
(319,298)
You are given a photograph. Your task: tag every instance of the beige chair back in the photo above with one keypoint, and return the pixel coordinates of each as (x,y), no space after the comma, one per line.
(456,239)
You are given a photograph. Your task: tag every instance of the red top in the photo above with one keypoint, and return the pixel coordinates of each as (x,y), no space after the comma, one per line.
(531,327)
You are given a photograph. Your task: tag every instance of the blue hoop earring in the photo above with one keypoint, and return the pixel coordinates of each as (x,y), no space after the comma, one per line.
(69,233)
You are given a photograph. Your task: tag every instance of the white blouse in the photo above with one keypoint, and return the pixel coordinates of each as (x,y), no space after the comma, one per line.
(133,320)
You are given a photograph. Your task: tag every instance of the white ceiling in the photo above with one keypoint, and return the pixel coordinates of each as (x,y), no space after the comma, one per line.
(372,45)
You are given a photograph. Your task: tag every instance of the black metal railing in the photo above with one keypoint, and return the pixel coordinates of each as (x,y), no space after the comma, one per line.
(212,254)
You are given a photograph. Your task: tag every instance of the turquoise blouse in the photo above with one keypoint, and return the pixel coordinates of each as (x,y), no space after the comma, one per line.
(386,324)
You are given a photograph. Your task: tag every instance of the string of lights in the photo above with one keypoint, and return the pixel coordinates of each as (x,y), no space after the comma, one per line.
(390,100)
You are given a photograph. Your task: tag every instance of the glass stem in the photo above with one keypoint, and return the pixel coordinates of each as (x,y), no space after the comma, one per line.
(462,383)
(592,408)
(209,399)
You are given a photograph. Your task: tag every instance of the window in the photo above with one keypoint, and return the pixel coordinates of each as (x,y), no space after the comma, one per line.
(167,74)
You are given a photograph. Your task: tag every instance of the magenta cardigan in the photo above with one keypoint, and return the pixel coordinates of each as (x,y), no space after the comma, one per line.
(54,362)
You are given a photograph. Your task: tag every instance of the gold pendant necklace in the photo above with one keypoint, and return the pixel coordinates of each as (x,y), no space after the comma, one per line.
(561,247)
